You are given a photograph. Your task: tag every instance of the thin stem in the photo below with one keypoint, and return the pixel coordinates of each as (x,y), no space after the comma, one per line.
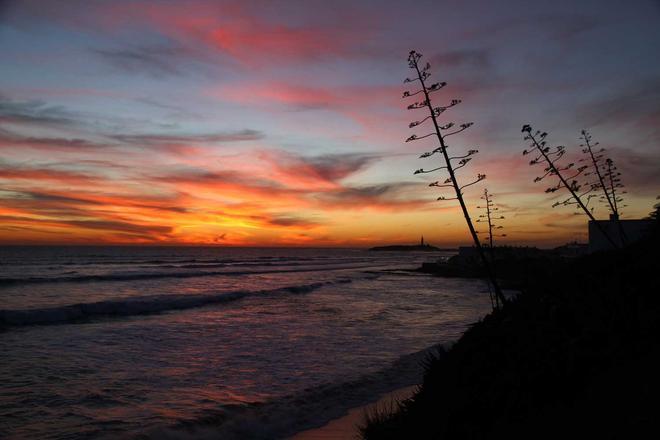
(499,296)
(490,223)
(615,208)
(600,176)
(570,189)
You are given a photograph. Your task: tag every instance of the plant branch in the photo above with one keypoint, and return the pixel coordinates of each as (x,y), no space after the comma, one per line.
(571,188)
(499,296)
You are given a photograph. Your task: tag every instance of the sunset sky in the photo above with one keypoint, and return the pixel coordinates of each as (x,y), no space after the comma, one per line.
(269,123)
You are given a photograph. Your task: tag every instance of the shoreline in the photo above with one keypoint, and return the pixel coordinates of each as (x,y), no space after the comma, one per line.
(578,347)
(347,425)
(330,411)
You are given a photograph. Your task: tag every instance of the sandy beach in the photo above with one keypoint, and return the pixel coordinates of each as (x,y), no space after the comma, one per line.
(346,427)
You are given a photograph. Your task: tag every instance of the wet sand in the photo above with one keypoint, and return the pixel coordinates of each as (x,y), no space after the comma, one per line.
(346,427)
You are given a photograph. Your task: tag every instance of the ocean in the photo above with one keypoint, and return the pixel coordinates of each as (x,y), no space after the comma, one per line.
(188,342)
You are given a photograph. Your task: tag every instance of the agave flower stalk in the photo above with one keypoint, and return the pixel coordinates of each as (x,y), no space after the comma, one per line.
(608,178)
(441,133)
(614,183)
(596,160)
(551,156)
(490,217)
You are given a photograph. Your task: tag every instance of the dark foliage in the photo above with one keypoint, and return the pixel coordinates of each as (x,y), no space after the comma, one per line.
(576,355)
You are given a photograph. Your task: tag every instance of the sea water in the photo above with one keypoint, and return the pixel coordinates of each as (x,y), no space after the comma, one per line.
(179,342)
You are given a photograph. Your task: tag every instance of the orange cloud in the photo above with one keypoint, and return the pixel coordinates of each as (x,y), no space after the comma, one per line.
(53,175)
(286,203)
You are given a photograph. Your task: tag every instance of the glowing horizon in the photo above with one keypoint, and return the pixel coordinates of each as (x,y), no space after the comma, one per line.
(282,124)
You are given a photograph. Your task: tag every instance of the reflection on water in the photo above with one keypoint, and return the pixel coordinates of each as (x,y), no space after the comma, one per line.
(136,373)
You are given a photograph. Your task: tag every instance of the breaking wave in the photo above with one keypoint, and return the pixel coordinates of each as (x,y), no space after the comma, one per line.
(134,276)
(140,305)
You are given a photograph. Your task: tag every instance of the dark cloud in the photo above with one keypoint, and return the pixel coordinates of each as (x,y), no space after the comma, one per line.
(293,220)
(566,28)
(303,170)
(46,197)
(154,61)
(176,209)
(174,110)
(12,140)
(472,58)
(388,196)
(564,226)
(558,26)
(639,170)
(39,113)
(323,169)
(166,139)
(11,170)
(4,9)
(371,191)
(72,205)
(146,231)
(626,104)
(121,226)
(227,181)
(198,175)
(93,163)
(83,211)
(34,112)
(333,167)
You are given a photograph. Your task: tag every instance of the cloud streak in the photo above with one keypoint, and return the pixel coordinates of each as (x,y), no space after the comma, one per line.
(154,61)
(165,207)
(173,139)
(294,133)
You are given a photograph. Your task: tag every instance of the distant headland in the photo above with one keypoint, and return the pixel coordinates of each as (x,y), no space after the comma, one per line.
(424,247)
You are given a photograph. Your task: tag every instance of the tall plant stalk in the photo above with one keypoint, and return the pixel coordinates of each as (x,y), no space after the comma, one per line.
(490,218)
(595,159)
(550,157)
(608,179)
(422,75)
(614,183)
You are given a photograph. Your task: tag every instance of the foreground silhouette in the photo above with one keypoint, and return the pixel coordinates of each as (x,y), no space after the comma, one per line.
(451,163)
(577,355)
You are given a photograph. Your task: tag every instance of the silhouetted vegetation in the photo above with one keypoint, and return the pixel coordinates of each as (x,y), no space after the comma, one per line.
(608,177)
(442,132)
(655,214)
(576,355)
(567,175)
(576,351)
(490,217)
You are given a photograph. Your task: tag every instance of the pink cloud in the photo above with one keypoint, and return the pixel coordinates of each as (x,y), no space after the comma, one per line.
(230,28)
(313,97)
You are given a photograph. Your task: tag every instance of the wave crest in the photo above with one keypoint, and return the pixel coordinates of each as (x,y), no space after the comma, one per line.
(139,305)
